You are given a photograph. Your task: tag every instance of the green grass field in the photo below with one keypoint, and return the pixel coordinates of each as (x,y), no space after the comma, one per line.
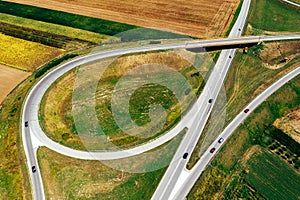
(14,177)
(273,15)
(56,108)
(272,177)
(69,178)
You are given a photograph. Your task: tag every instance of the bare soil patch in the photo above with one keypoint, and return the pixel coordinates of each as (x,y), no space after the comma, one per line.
(9,79)
(290,124)
(199,18)
(274,53)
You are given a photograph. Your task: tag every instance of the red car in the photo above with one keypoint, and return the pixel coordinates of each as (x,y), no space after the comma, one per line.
(212,150)
(246,110)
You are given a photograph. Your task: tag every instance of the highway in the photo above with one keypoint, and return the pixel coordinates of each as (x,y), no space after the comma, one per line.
(205,159)
(170,181)
(292,3)
(33,100)
(33,136)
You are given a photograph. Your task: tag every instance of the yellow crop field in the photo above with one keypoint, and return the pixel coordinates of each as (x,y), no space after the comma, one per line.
(25,55)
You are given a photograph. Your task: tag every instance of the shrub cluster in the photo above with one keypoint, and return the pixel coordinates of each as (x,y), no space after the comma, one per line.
(53,63)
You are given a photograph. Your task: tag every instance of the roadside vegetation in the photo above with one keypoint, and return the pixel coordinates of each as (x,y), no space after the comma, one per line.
(234,18)
(269,16)
(68,178)
(14,181)
(249,75)
(56,108)
(229,177)
(22,54)
(52,64)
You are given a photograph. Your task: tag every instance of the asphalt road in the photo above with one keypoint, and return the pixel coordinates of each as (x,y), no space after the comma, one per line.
(228,131)
(31,106)
(33,136)
(292,3)
(170,181)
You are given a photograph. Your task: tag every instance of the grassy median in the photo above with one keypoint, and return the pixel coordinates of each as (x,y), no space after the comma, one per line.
(273,16)
(226,170)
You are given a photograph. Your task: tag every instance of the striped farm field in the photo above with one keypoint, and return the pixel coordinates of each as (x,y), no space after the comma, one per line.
(198,18)
(25,55)
(272,177)
(54,28)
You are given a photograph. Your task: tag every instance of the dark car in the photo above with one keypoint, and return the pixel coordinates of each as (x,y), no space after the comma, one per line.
(33,169)
(212,150)
(239,29)
(230,57)
(210,100)
(246,110)
(26,124)
(185,155)
(221,140)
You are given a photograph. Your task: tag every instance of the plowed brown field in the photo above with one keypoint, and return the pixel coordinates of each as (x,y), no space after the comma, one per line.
(9,79)
(200,18)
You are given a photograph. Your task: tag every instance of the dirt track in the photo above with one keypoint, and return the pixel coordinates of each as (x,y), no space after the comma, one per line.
(9,79)
(200,18)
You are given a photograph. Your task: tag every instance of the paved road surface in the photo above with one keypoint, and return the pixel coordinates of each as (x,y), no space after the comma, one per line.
(228,131)
(170,180)
(292,3)
(33,137)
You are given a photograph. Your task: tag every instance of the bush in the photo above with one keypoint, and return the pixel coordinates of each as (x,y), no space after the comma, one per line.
(284,139)
(53,63)
(42,37)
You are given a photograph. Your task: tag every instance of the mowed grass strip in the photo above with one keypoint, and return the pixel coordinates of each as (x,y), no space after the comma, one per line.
(55,28)
(273,15)
(272,177)
(14,177)
(25,55)
(69,178)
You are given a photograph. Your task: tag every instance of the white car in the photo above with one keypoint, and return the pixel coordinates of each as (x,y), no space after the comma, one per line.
(221,140)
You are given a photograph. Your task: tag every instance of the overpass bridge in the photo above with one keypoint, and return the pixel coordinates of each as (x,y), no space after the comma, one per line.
(240,40)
